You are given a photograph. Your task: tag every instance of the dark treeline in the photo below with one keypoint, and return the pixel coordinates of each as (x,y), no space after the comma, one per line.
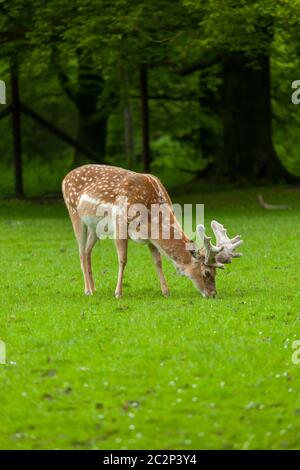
(182,88)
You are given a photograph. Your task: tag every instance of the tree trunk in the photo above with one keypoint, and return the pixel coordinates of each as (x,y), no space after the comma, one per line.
(16,128)
(248,148)
(129,136)
(86,94)
(91,134)
(145,118)
(210,105)
(92,125)
(127,113)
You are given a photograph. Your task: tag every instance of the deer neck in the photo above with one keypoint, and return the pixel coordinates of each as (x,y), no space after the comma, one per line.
(175,247)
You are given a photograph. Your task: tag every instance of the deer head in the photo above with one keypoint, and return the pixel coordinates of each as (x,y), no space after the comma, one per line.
(205,261)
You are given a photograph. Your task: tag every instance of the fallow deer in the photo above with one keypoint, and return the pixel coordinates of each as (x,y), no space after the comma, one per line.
(90,189)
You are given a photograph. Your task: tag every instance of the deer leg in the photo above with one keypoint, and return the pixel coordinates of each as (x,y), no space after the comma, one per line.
(80,231)
(121,245)
(90,243)
(158,264)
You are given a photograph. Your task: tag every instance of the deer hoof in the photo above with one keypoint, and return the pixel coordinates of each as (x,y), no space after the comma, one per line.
(88,292)
(118,295)
(166,293)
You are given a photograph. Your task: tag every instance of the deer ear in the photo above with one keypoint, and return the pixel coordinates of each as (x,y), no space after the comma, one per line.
(191,246)
(195,254)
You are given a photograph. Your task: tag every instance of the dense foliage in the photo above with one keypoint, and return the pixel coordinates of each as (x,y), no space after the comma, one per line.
(218,87)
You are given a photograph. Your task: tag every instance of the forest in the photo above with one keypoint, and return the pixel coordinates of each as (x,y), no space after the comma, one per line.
(185,89)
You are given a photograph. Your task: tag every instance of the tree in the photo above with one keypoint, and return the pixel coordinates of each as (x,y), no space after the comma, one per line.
(185,84)
(94,98)
(242,33)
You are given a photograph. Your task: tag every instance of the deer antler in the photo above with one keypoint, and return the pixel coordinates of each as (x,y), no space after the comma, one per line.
(211,251)
(228,244)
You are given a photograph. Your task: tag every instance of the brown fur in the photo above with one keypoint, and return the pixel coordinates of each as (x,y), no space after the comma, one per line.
(106,184)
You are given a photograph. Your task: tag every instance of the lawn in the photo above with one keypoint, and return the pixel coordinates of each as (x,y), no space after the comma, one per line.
(146,371)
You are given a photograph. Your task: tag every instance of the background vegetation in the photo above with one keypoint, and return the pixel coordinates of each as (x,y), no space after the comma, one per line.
(183,88)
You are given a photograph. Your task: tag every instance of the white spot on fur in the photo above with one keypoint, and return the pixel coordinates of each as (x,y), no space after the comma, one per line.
(91,200)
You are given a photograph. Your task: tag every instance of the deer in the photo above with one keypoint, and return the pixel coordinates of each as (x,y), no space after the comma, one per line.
(92,190)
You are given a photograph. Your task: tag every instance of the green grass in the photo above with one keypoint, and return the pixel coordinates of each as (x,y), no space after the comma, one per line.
(145,371)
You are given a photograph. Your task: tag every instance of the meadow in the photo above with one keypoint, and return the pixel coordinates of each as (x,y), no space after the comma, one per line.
(144,371)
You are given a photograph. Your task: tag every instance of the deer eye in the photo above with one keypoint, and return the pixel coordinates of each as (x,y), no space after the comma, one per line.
(207,274)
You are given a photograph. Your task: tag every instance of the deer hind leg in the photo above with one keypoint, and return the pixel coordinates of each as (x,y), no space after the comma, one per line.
(80,230)
(158,264)
(121,245)
(90,243)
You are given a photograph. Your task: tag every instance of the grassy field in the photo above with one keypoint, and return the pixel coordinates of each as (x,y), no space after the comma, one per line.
(146,371)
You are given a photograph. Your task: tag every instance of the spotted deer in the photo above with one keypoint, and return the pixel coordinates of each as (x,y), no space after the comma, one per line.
(91,189)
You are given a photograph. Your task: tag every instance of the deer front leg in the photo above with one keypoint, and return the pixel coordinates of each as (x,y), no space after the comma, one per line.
(158,264)
(80,231)
(90,243)
(121,246)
